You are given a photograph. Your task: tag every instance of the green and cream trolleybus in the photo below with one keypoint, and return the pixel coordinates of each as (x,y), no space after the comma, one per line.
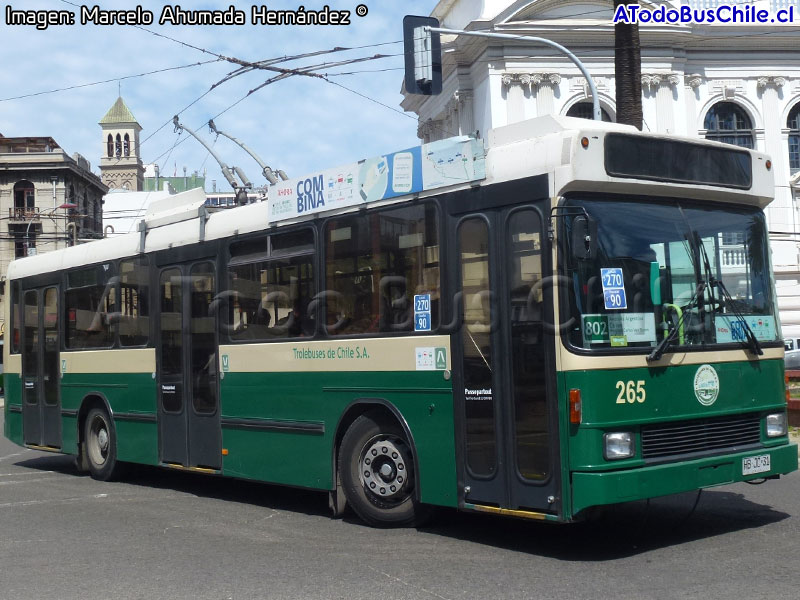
(570,315)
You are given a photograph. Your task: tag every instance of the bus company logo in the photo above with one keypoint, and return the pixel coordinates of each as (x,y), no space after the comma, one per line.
(706,385)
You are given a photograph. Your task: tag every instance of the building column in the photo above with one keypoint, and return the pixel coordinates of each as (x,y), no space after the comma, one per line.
(664,85)
(546,84)
(692,85)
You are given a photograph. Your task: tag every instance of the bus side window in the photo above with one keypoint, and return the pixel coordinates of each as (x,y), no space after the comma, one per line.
(89,304)
(272,280)
(376,263)
(16,318)
(134,313)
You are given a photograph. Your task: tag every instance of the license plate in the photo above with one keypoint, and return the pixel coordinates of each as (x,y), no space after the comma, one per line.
(755,464)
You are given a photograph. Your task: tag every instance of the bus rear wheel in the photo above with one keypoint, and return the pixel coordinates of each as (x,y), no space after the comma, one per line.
(376,466)
(100,445)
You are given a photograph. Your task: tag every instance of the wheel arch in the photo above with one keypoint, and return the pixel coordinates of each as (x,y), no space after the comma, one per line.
(90,401)
(362,406)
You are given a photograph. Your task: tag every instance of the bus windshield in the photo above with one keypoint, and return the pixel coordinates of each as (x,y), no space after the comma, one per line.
(662,267)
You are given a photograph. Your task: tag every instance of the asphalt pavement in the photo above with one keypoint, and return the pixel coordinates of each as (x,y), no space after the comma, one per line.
(166,534)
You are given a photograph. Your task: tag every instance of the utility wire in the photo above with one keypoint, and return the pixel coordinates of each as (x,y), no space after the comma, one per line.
(378,102)
(269,64)
(83,85)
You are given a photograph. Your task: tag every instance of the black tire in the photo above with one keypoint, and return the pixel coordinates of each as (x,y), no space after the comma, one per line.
(376,466)
(100,445)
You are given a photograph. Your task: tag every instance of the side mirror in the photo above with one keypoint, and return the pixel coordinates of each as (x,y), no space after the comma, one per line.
(583,240)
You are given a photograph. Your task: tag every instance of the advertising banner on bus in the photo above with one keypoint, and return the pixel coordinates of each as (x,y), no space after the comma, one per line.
(430,166)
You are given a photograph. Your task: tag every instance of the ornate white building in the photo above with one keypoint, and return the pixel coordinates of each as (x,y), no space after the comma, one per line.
(734,83)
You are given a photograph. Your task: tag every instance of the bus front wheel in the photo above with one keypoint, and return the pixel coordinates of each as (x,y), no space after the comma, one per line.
(376,467)
(100,445)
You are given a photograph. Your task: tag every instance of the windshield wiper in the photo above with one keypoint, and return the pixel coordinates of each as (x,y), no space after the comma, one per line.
(752,341)
(659,350)
(709,277)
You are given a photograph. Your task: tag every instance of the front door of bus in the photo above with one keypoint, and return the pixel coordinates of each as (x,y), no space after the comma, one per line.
(188,406)
(503,394)
(41,371)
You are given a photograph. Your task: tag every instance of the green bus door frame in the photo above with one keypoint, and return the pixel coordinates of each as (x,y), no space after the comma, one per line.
(189,427)
(504,364)
(41,368)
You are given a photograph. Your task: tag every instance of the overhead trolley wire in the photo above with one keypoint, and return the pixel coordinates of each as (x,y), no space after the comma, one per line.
(121,78)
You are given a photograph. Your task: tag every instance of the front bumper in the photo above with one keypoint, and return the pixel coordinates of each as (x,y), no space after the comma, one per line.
(594,489)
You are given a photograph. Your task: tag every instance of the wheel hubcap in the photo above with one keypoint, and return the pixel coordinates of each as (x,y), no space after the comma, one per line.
(102,439)
(98,441)
(384,468)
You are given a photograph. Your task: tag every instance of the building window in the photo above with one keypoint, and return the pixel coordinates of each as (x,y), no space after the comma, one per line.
(584,110)
(732,238)
(22,243)
(126,145)
(110,146)
(24,195)
(794,139)
(728,123)
(118,146)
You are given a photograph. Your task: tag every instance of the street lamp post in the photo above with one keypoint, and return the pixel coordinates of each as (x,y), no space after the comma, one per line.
(66,205)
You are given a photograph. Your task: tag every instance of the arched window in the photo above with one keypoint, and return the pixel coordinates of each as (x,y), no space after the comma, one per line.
(727,122)
(126,145)
(793,123)
(118,146)
(24,195)
(583,110)
(110,146)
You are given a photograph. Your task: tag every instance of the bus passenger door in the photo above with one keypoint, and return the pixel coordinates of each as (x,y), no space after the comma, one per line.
(503,382)
(41,409)
(188,407)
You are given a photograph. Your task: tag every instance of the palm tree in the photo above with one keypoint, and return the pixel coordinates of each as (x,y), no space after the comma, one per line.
(628,71)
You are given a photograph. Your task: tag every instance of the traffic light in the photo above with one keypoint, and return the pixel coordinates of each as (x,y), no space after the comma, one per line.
(423,55)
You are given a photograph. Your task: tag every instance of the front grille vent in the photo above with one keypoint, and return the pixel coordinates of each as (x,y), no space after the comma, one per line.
(692,437)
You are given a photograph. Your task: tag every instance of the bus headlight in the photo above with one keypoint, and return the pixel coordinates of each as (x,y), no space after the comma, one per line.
(617,445)
(776,424)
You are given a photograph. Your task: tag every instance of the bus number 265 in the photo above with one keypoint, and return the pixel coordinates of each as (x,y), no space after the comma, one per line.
(631,391)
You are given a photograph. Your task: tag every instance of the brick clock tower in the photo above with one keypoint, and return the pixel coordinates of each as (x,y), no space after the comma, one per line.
(121,165)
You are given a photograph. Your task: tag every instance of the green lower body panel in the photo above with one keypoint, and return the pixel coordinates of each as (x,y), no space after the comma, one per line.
(305,458)
(12,428)
(13,424)
(594,489)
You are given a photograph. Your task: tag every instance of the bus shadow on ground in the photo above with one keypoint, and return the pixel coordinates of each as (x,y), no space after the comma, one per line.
(227,489)
(616,532)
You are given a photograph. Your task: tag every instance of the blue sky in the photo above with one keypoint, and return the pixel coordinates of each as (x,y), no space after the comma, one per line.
(299,124)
